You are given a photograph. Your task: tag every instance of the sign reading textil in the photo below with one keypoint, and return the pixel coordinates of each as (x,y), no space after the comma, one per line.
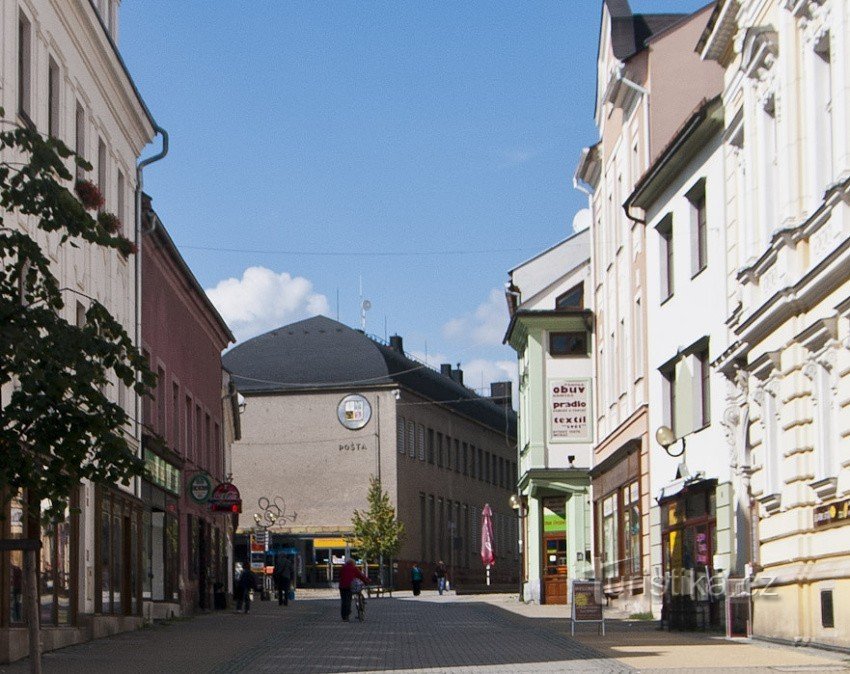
(569,406)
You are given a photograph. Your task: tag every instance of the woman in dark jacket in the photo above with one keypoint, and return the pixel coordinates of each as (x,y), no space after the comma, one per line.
(246,584)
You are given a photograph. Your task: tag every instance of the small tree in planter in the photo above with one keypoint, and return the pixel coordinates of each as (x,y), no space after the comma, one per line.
(377,530)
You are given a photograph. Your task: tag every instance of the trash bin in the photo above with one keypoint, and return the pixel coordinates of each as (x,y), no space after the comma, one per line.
(219,597)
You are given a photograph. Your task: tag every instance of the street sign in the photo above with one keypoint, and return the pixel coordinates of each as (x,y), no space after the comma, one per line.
(200,488)
(586,603)
(226,498)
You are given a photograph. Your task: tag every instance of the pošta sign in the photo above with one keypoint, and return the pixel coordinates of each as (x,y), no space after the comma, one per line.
(586,603)
(226,498)
(569,407)
(832,513)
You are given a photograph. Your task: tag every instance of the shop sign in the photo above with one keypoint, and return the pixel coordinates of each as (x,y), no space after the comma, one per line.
(832,513)
(569,410)
(200,488)
(586,602)
(226,498)
(354,412)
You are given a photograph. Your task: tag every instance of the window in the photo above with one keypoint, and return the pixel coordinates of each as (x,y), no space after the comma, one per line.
(824,385)
(465,459)
(572,299)
(53,99)
(187,446)
(400,435)
(638,339)
(25,68)
(208,444)
(160,401)
(457,455)
(827,613)
(609,537)
(632,528)
(199,440)
(705,386)
(440,450)
(669,384)
(473,468)
(421,443)
(448,453)
(665,233)
(411,439)
(568,343)
(80,137)
(120,205)
(175,416)
(699,228)
(423,540)
(772,454)
(824,119)
(431,446)
(101,167)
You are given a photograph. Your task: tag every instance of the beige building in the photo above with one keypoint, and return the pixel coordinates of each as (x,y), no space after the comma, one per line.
(649,80)
(326,407)
(787,158)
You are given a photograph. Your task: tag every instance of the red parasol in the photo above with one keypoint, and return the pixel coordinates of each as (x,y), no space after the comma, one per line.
(488,557)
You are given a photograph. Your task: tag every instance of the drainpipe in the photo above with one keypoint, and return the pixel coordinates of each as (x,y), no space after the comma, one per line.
(138,226)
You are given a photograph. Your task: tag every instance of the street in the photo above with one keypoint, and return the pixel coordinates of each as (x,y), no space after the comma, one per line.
(427,634)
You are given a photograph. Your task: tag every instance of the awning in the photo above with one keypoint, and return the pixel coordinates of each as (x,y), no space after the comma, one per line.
(328,543)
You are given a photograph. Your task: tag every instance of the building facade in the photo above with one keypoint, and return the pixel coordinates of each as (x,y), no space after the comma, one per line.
(649,79)
(696,509)
(551,330)
(63,75)
(326,407)
(786,99)
(185,548)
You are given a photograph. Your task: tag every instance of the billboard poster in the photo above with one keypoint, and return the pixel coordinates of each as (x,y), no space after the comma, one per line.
(569,410)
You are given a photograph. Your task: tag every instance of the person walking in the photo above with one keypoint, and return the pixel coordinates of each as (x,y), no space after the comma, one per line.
(346,576)
(441,576)
(416,579)
(282,578)
(247,584)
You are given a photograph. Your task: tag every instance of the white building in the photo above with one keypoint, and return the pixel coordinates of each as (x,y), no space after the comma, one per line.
(551,330)
(786,97)
(61,72)
(692,534)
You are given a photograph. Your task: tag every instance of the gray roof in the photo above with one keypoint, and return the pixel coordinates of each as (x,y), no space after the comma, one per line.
(629,32)
(320,353)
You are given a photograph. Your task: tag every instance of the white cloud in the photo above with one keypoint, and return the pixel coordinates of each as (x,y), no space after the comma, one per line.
(262,300)
(517,157)
(483,327)
(582,220)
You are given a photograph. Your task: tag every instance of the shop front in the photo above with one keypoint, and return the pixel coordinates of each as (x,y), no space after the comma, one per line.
(692,594)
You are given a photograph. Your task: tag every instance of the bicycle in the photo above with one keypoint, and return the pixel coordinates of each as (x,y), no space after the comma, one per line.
(359,600)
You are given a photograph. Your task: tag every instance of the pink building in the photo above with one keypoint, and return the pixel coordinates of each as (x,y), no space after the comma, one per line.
(186,546)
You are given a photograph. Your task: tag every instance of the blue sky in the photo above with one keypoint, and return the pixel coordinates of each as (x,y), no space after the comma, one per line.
(427,147)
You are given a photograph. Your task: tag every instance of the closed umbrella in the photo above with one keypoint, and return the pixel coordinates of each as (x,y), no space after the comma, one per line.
(488,557)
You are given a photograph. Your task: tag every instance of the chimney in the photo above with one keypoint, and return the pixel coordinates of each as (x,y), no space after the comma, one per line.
(501,393)
(396,343)
(446,370)
(457,375)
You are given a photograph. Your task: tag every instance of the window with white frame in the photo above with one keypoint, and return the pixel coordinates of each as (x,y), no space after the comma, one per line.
(80,137)
(823,124)
(101,167)
(772,456)
(824,382)
(699,228)
(120,203)
(665,256)
(24,67)
(768,178)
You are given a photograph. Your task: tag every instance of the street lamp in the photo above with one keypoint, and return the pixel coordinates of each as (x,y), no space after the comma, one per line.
(665,437)
(517,503)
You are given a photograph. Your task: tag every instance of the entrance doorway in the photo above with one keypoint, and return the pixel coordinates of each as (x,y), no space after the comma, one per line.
(554,550)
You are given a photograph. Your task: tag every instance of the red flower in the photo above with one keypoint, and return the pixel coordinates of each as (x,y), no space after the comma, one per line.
(110,222)
(89,194)
(127,247)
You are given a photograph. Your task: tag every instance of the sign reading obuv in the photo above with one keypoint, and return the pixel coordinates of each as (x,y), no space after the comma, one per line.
(569,406)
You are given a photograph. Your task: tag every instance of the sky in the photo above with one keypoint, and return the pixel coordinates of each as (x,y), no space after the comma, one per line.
(416,150)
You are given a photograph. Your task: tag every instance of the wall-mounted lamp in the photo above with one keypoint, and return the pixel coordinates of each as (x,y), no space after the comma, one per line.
(517,502)
(665,437)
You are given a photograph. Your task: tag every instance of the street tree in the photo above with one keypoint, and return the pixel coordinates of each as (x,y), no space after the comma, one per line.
(59,424)
(379,534)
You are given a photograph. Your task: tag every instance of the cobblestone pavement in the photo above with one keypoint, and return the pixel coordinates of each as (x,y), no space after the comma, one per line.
(429,635)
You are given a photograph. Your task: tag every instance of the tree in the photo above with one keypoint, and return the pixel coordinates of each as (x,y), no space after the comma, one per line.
(59,425)
(377,530)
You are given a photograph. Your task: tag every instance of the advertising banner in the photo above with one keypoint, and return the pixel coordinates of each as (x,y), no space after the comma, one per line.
(569,410)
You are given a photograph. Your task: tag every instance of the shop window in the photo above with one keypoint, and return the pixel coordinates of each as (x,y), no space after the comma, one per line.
(609,537)
(827,613)
(16,528)
(105,556)
(632,529)
(568,343)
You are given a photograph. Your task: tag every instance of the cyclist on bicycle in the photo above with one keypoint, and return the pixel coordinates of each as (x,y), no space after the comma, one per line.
(347,576)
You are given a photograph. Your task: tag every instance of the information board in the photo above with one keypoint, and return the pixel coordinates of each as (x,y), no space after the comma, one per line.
(586,600)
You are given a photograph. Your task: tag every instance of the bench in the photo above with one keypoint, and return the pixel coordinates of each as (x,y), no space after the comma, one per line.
(378,591)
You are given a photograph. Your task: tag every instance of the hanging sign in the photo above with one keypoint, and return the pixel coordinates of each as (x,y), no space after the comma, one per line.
(226,498)
(200,487)
(569,410)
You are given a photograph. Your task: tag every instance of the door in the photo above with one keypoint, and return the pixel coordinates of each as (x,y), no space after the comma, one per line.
(554,550)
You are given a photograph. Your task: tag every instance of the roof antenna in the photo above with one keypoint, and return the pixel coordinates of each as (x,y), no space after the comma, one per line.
(365,305)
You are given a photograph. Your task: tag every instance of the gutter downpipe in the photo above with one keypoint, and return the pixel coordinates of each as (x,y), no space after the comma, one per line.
(138,226)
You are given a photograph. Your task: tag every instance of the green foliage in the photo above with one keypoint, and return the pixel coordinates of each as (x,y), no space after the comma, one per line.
(58,426)
(377,530)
